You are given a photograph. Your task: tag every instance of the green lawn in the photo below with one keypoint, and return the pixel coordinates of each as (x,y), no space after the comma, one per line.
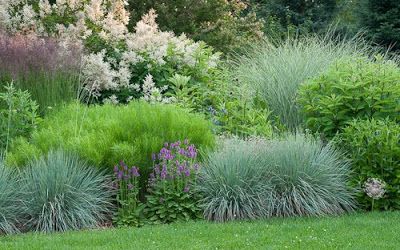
(358,231)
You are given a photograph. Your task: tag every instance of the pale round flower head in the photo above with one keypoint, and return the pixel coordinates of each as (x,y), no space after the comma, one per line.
(375,188)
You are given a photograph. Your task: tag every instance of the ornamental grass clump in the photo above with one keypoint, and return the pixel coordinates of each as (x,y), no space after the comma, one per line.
(61,192)
(10,212)
(307,178)
(231,182)
(294,176)
(46,67)
(277,70)
(172,195)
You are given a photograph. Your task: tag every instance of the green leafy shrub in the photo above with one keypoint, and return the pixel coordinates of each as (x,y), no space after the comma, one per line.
(18,115)
(231,107)
(352,88)
(276,70)
(231,182)
(10,212)
(295,176)
(374,147)
(172,195)
(60,192)
(126,181)
(104,135)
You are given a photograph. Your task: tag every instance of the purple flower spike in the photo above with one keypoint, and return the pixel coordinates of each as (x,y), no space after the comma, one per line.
(181,151)
(153,157)
(186,142)
(166,144)
(120,175)
(116,168)
(164,172)
(196,167)
(157,169)
(135,171)
(186,189)
(187,172)
(181,168)
(130,186)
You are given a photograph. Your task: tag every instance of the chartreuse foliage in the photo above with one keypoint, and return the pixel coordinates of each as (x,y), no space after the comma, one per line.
(374,148)
(351,88)
(104,135)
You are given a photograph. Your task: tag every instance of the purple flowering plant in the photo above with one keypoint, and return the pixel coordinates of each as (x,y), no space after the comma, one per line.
(171,183)
(126,181)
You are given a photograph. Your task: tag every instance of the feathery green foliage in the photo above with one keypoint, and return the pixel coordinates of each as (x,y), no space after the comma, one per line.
(105,135)
(9,202)
(276,70)
(61,192)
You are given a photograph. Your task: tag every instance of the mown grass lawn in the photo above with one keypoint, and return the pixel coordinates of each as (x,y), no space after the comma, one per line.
(357,231)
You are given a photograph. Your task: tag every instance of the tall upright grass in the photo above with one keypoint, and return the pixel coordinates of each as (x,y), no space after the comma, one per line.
(276,69)
(47,69)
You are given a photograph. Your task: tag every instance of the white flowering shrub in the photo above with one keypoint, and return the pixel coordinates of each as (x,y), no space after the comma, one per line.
(120,65)
(147,63)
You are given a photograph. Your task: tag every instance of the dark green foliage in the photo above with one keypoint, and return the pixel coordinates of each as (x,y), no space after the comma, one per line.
(381,20)
(104,135)
(297,16)
(225,25)
(17,115)
(166,206)
(60,192)
(374,148)
(10,212)
(352,88)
